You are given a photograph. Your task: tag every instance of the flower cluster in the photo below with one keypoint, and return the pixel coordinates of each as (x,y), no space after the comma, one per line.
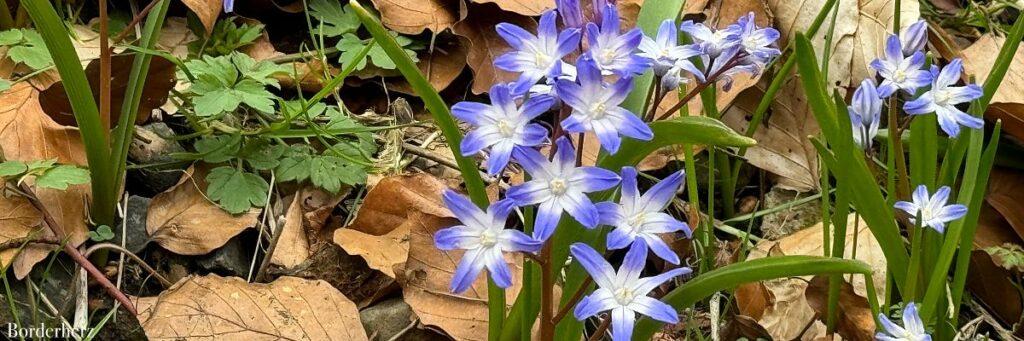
(577,90)
(927,90)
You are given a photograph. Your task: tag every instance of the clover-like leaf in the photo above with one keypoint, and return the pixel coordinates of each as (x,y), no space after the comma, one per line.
(12,168)
(101,233)
(61,176)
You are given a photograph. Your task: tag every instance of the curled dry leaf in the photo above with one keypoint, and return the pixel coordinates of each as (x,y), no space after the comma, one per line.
(306,216)
(28,134)
(219,308)
(18,220)
(1008,102)
(394,232)
(789,313)
(441,66)
(185,222)
(206,10)
(486,45)
(414,16)
(524,7)
(854,320)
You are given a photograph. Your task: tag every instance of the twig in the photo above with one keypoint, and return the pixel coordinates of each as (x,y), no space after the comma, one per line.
(18,242)
(547,327)
(77,256)
(110,246)
(407,328)
(572,301)
(270,251)
(601,329)
(53,310)
(699,88)
(135,21)
(426,154)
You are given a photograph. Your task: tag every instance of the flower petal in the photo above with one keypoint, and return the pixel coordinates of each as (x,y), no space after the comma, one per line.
(591,179)
(619,238)
(646,284)
(594,264)
(659,248)
(662,193)
(633,264)
(468,269)
(466,211)
(655,309)
(498,159)
(580,208)
(623,321)
(498,269)
(548,215)
(600,300)
(457,237)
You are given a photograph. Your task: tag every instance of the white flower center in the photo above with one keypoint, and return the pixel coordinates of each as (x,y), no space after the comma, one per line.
(637,220)
(624,296)
(505,128)
(558,186)
(900,76)
(750,43)
(488,238)
(598,111)
(607,56)
(541,59)
(926,214)
(941,96)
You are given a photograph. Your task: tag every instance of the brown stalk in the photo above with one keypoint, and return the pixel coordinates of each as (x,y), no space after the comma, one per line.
(603,327)
(547,325)
(572,301)
(697,90)
(77,256)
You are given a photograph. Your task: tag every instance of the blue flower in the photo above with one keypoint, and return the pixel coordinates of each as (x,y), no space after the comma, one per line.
(758,43)
(571,13)
(712,42)
(865,113)
(623,292)
(933,210)
(943,97)
(614,52)
(229,6)
(561,71)
(559,186)
(596,107)
(638,218)
(535,56)
(665,51)
(912,329)
(914,37)
(484,237)
(898,71)
(501,125)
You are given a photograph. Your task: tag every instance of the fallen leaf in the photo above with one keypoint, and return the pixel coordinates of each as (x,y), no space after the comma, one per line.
(212,307)
(28,134)
(789,314)
(1005,195)
(753,299)
(159,82)
(440,67)
(525,7)
(744,327)
(854,320)
(304,219)
(388,204)
(185,222)
(175,36)
(998,224)
(486,45)
(18,219)
(414,16)
(1008,102)
(206,10)
(381,253)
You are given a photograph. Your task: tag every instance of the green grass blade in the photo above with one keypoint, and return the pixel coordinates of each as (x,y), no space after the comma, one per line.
(94,135)
(683,130)
(730,276)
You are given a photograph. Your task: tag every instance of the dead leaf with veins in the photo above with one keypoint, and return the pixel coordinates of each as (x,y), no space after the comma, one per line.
(854,320)
(18,220)
(184,221)
(1008,102)
(227,308)
(414,16)
(306,216)
(28,134)
(440,67)
(486,44)
(525,7)
(206,10)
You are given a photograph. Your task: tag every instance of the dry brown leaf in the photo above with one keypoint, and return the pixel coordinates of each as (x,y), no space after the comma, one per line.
(752,299)
(414,16)
(524,7)
(486,45)
(998,224)
(388,204)
(306,216)
(382,253)
(228,308)
(185,222)
(440,67)
(789,314)
(27,134)
(854,320)
(18,219)
(175,36)
(1008,102)
(206,10)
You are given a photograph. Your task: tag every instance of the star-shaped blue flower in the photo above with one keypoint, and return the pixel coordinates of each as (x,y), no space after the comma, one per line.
(559,186)
(535,55)
(623,292)
(639,218)
(615,53)
(865,113)
(665,52)
(596,107)
(898,71)
(912,329)
(502,125)
(933,209)
(943,97)
(484,237)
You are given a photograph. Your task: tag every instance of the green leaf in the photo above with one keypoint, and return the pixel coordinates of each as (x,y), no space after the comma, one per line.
(336,20)
(236,190)
(10,37)
(218,148)
(5,85)
(27,47)
(683,130)
(730,276)
(295,165)
(37,166)
(261,155)
(338,121)
(61,176)
(12,168)
(330,172)
(223,83)
(350,45)
(227,36)
(101,234)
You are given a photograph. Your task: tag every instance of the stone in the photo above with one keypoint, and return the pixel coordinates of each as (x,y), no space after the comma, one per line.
(232,259)
(149,147)
(134,225)
(394,319)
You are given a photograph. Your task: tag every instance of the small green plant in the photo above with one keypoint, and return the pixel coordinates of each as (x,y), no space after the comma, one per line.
(221,84)
(26,46)
(47,173)
(227,37)
(102,233)
(337,21)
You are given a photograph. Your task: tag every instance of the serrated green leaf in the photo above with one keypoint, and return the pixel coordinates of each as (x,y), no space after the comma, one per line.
(330,172)
(223,83)
(218,148)
(11,168)
(10,37)
(61,176)
(336,20)
(255,95)
(236,190)
(30,50)
(227,36)
(40,165)
(263,156)
(350,45)
(340,121)
(262,71)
